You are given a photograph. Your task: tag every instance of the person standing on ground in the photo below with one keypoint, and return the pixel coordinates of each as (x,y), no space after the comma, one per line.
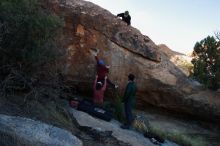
(128,99)
(125,17)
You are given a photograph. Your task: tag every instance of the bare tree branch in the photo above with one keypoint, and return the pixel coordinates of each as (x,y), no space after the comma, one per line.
(217,35)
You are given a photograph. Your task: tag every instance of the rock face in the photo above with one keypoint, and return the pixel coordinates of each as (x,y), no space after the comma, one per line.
(33,133)
(182,61)
(126,50)
(127,136)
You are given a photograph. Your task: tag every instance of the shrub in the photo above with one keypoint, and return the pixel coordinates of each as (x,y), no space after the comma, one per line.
(206,61)
(27,45)
(27,32)
(118,107)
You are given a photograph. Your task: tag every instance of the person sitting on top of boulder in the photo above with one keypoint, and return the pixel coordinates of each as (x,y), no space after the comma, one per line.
(125,17)
(102,69)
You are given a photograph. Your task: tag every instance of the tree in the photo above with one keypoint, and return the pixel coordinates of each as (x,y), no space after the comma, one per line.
(206,61)
(27,46)
(26,32)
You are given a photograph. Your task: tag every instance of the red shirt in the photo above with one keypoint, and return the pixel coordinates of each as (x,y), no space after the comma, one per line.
(98,95)
(102,70)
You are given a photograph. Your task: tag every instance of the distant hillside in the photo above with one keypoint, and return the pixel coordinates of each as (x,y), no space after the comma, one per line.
(180,60)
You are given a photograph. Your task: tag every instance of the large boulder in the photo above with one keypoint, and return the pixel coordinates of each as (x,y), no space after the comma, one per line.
(126,50)
(23,131)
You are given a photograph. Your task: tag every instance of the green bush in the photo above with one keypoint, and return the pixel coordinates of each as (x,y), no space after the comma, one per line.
(27,48)
(119,115)
(206,61)
(27,31)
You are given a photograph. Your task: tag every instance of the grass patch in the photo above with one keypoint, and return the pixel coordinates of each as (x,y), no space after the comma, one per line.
(178,137)
(51,112)
(143,125)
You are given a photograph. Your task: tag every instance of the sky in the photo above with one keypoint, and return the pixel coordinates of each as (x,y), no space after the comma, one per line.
(177,23)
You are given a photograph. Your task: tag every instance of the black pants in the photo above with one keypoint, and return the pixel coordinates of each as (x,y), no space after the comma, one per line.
(128,113)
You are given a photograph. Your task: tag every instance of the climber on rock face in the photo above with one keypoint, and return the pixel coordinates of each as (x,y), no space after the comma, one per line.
(128,99)
(125,17)
(102,70)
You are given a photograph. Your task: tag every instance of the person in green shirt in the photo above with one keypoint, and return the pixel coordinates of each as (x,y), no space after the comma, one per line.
(128,99)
